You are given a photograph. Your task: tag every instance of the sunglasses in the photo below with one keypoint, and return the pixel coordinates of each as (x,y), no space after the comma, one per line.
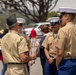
(20,24)
(54,23)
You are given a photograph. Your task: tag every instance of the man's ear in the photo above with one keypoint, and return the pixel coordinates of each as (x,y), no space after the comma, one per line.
(67,17)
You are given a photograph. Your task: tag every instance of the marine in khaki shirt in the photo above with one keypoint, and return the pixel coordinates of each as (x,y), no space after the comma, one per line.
(12,47)
(49,43)
(15,50)
(67,40)
(66,43)
(50,40)
(21,22)
(49,47)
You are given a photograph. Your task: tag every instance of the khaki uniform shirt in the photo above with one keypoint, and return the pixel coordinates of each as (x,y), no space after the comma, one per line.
(49,43)
(12,46)
(27,40)
(66,39)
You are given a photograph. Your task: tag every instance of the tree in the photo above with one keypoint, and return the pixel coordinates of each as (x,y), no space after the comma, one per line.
(36,10)
(53,13)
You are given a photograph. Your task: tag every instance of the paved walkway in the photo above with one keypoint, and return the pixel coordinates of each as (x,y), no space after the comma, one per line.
(36,68)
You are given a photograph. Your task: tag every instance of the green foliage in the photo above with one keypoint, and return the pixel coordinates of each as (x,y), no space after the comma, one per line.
(2,21)
(3,17)
(35,10)
(53,13)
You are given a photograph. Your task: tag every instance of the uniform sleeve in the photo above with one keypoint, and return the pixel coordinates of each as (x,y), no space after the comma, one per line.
(22,46)
(45,43)
(61,40)
(28,42)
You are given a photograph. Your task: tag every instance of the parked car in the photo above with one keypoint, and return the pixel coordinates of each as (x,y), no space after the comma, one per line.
(36,27)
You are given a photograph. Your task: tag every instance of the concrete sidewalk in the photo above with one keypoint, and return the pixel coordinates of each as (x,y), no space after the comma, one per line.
(36,69)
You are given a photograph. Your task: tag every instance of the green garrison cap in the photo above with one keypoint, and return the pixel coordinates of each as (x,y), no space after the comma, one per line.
(11,20)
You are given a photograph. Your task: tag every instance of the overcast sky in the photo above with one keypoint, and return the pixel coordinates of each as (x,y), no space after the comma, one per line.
(65,3)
